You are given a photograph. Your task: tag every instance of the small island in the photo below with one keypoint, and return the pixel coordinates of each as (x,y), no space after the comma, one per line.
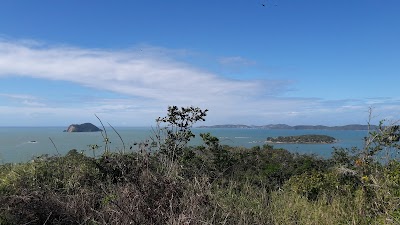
(302,139)
(85,127)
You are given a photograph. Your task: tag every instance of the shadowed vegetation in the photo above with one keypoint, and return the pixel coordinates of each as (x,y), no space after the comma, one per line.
(168,182)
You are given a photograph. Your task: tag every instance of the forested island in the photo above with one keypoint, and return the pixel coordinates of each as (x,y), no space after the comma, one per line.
(303,139)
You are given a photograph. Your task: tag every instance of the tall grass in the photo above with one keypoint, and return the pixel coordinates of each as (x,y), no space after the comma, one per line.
(209,184)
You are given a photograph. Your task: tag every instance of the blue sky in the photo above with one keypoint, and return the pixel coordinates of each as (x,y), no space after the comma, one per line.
(247,61)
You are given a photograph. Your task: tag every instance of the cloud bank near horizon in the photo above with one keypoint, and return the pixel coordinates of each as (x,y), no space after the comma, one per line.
(148,79)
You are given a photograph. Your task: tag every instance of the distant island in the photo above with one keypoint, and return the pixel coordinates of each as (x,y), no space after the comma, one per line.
(85,127)
(303,139)
(298,127)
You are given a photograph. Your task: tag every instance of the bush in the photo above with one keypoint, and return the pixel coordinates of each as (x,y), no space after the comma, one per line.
(207,184)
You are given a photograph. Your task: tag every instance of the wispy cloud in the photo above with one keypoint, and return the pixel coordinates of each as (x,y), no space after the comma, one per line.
(33,103)
(151,78)
(18,96)
(150,75)
(236,61)
(23,99)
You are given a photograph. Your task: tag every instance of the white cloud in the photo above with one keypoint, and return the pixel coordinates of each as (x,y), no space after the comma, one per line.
(149,75)
(18,96)
(23,99)
(32,103)
(149,81)
(236,61)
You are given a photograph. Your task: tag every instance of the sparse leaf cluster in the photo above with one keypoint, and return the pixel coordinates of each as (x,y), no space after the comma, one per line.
(176,132)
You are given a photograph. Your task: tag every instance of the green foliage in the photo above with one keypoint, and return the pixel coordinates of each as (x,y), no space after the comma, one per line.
(387,137)
(288,208)
(212,184)
(385,141)
(267,147)
(392,177)
(211,160)
(308,138)
(344,157)
(216,154)
(209,140)
(242,203)
(176,134)
(64,174)
(316,184)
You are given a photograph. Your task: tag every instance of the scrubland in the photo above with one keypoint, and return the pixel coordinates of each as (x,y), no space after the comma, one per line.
(165,181)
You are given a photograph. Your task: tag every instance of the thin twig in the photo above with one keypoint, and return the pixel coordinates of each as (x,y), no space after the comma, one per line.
(47,218)
(105,136)
(123,143)
(54,145)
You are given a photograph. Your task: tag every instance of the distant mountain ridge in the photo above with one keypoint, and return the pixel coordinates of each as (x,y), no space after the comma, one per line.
(297,127)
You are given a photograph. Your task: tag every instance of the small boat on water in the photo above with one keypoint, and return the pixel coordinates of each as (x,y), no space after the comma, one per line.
(32,141)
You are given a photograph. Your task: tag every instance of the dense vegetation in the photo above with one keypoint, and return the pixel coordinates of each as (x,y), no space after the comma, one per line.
(168,182)
(304,139)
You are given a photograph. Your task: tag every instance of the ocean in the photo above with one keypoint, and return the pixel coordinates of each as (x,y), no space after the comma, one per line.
(21,144)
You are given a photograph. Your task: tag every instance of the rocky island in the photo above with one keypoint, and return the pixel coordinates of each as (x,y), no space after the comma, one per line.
(85,127)
(303,139)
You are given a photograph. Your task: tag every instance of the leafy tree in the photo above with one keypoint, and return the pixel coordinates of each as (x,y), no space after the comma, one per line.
(220,156)
(173,137)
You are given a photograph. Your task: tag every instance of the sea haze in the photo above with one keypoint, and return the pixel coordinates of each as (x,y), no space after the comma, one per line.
(21,144)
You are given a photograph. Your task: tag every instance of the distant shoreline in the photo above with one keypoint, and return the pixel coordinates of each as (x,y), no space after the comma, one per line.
(297,127)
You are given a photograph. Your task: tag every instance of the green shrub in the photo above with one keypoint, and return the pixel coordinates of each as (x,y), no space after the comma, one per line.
(168,182)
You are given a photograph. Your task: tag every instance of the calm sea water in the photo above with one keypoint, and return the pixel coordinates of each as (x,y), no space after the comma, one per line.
(19,144)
